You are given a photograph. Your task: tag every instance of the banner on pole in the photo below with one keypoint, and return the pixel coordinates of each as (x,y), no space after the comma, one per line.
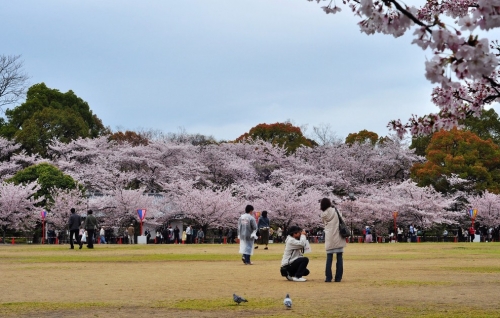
(256,215)
(141,213)
(472,213)
(43,214)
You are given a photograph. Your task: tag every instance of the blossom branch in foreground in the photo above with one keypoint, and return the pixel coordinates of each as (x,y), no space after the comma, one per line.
(462,66)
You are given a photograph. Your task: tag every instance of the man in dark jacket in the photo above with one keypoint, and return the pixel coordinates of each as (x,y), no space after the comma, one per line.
(90,226)
(74,226)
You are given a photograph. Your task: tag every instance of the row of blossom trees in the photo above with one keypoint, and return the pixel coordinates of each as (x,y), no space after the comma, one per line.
(211,183)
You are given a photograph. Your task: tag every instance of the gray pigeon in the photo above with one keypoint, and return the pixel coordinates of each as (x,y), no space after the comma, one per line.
(287,302)
(237,299)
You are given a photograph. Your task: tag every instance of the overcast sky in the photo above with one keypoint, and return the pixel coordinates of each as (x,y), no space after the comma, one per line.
(217,67)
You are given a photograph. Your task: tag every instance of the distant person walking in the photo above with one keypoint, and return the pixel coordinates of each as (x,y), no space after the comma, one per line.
(472,234)
(334,242)
(83,236)
(102,234)
(189,234)
(400,234)
(90,226)
(131,232)
(279,234)
(221,234)
(368,235)
(263,228)
(200,235)
(247,228)
(177,238)
(74,223)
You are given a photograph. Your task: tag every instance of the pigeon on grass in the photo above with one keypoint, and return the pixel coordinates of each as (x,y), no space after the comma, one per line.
(237,299)
(288,302)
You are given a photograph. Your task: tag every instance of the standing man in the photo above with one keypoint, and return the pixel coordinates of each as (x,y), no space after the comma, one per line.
(90,226)
(74,226)
(189,234)
(412,232)
(131,232)
(279,234)
(200,235)
(247,227)
(400,234)
(221,233)
(177,238)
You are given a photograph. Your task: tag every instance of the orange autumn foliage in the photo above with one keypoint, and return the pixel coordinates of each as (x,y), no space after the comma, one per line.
(462,153)
(283,134)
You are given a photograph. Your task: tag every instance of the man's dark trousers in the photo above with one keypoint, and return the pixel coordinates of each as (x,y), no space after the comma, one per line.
(75,233)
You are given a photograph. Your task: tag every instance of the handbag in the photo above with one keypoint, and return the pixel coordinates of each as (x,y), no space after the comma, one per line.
(343,229)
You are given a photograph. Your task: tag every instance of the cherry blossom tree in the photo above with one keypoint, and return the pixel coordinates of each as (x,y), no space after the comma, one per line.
(8,167)
(18,206)
(422,206)
(119,206)
(488,207)
(288,201)
(463,63)
(59,209)
(208,207)
(211,183)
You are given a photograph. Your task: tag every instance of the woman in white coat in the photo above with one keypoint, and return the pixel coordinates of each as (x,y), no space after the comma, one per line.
(334,242)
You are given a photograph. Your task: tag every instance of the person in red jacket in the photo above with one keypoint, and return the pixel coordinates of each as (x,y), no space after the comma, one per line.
(472,233)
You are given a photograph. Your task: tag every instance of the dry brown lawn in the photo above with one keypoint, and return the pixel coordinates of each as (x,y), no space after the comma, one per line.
(380,280)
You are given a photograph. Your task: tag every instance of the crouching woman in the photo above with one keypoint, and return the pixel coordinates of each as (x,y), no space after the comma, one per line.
(294,262)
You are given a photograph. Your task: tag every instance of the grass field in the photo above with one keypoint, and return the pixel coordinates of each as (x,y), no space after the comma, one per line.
(380,280)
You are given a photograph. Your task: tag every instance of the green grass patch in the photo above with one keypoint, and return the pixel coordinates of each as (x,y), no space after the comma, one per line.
(24,307)
(217,304)
(474,269)
(412,283)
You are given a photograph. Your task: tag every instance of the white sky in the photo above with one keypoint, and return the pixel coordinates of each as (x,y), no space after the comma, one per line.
(218,67)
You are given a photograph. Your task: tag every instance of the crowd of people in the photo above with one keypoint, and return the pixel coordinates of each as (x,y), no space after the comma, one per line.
(266,233)
(253,230)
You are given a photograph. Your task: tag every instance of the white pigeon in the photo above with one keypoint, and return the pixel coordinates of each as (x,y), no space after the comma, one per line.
(288,302)
(237,299)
